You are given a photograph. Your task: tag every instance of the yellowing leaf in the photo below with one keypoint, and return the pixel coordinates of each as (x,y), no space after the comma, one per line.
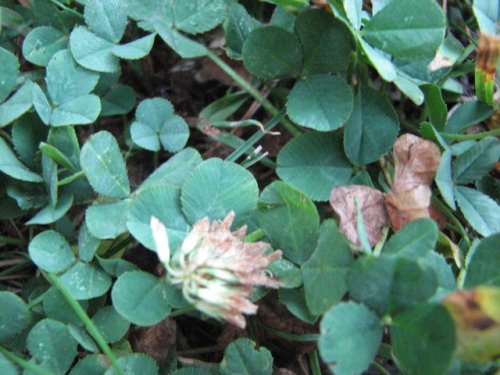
(476,313)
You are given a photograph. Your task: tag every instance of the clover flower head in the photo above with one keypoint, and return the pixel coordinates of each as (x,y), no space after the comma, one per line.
(216,269)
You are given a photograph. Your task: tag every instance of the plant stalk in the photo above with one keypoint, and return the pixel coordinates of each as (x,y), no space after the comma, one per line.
(449,215)
(466,137)
(89,325)
(68,9)
(10,240)
(268,106)
(23,363)
(72,178)
(381,368)
(308,337)
(182,311)
(314,363)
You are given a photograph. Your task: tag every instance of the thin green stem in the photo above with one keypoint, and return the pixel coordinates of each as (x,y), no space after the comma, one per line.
(120,245)
(407,125)
(452,228)
(308,337)
(5,135)
(23,363)
(247,146)
(252,91)
(466,137)
(68,9)
(129,153)
(381,368)
(236,124)
(252,329)
(70,179)
(314,363)
(182,311)
(12,254)
(385,351)
(10,240)
(254,236)
(449,215)
(251,161)
(91,328)
(16,228)
(464,33)
(37,300)
(378,248)
(156,159)
(236,143)
(14,269)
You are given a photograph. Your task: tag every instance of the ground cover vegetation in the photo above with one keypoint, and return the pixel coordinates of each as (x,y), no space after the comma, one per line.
(249,187)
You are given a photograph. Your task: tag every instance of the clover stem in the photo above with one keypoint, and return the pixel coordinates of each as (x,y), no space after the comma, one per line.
(382,370)
(466,137)
(10,240)
(314,363)
(449,215)
(156,159)
(408,126)
(247,146)
(385,351)
(35,369)
(182,311)
(37,300)
(19,233)
(308,337)
(268,106)
(89,324)
(68,9)
(72,178)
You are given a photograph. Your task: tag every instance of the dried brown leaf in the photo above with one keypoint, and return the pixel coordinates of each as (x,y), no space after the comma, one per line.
(488,53)
(494,121)
(416,161)
(371,204)
(405,206)
(322,4)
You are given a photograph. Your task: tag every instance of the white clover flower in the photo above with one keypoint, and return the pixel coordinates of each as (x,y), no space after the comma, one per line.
(216,270)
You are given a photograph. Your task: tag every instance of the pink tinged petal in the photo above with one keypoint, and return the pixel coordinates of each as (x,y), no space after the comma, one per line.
(236,319)
(160,237)
(261,279)
(209,309)
(243,305)
(220,274)
(241,232)
(215,294)
(228,220)
(275,255)
(218,269)
(195,236)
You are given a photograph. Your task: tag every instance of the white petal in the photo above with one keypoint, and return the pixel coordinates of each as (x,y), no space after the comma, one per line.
(160,237)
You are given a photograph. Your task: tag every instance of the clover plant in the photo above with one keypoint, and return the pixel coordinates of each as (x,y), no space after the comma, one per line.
(249,187)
